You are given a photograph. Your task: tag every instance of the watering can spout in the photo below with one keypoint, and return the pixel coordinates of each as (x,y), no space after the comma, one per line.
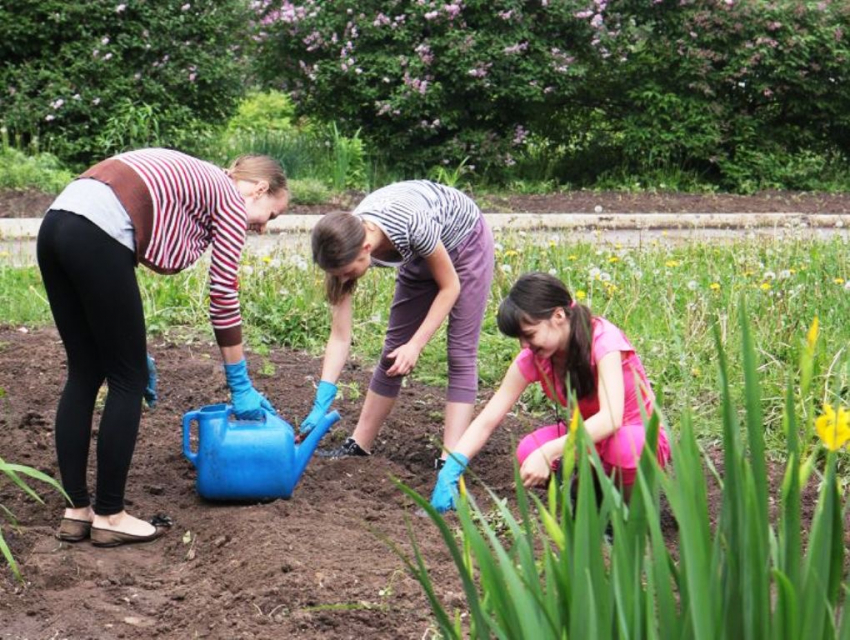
(305,450)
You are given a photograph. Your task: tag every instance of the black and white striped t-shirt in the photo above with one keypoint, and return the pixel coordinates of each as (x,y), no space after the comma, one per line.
(416,214)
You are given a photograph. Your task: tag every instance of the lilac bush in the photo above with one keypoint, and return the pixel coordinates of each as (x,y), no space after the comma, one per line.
(73,71)
(735,89)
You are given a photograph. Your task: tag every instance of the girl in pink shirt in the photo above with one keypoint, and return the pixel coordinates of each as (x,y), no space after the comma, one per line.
(563,347)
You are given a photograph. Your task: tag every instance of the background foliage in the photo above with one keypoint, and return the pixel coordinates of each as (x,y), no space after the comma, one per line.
(749,93)
(88,79)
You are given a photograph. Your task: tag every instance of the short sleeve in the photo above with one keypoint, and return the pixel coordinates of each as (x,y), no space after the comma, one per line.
(424,233)
(608,338)
(525,362)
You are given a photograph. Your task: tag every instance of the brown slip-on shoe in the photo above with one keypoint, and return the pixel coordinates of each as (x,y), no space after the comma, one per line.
(71,530)
(109,538)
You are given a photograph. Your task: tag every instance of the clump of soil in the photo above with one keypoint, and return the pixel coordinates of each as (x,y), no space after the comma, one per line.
(33,204)
(315,566)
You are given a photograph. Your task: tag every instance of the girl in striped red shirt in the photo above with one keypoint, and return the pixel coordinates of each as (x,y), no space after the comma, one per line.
(163,209)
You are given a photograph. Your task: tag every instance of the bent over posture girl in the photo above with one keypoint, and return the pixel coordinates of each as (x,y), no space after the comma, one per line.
(438,240)
(161,208)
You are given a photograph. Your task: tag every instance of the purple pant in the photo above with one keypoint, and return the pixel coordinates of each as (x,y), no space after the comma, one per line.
(416,289)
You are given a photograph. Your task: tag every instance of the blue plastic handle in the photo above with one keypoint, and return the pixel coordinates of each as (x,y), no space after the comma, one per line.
(187,423)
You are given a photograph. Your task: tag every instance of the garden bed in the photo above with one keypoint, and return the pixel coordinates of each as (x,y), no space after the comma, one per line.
(32,204)
(311,567)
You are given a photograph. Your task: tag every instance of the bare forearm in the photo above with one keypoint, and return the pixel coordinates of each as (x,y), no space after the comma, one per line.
(440,309)
(336,355)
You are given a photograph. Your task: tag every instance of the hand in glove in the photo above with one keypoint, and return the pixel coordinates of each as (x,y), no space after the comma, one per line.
(446,488)
(325,394)
(248,403)
(150,394)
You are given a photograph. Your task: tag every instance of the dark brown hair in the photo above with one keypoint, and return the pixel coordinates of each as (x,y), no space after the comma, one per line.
(534,298)
(254,168)
(337,240)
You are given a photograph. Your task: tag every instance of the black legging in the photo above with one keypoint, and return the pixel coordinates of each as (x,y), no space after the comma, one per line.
(91,285)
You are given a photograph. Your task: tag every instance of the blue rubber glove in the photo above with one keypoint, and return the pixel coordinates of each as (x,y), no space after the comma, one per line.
(248,403)
(446,488)
(150,391)
(325,394)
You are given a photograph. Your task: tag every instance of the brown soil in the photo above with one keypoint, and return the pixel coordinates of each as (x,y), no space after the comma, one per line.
(33,204)
(314,566)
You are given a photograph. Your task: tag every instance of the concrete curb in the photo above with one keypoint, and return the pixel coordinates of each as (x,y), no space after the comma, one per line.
(27,228)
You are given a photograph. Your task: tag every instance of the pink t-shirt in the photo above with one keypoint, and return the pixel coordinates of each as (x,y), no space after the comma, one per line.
(606,338)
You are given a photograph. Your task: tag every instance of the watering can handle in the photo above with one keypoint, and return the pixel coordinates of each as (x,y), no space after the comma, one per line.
(187,423)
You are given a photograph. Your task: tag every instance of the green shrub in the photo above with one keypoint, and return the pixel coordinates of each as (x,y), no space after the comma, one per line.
(75,74)
(259,113)
(308,191)
(41,171)
(573,89)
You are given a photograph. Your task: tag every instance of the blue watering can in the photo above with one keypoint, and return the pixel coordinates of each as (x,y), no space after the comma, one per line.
(246,459)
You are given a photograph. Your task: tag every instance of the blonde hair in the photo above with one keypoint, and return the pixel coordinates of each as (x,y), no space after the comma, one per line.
(257,167)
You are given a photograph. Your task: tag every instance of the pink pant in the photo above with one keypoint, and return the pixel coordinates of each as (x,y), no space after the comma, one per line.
(619,452)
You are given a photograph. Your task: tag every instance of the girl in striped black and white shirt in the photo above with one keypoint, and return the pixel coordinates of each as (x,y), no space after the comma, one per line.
(437,238)
(164,209)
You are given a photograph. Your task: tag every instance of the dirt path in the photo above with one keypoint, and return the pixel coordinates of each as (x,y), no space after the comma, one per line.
(311,567)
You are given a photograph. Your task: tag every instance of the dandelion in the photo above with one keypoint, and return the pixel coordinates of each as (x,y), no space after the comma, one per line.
(785,274)
(613,259)
(670,264)
(247,269)
(693,285)
(714,286)
(510,253)
(838,280)
(847,286)
(605,276)
(581,295)
(812,334)
(553,272)
(765,286)
(833,428)
(506,268)
(769,275)
(498,247)
(267,259)
(696,372)
(572,257)
(595,272)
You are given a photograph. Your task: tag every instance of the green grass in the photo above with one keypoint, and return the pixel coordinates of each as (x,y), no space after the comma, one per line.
(665,298)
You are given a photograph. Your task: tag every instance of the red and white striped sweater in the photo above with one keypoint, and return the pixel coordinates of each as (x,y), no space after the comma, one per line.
(179,206)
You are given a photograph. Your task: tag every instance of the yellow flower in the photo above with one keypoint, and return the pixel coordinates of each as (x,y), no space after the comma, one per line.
(747,273)
(696,372)
(833,429)
(574,420)
(714,286)
(267,259)
(618,246)
(613,259)
(572,257)
(580,295)
(765,286)
(510,253)
(812,335)
(671,263)
(838,280)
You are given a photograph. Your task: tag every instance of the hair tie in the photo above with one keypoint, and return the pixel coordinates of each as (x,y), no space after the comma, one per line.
(572,304)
